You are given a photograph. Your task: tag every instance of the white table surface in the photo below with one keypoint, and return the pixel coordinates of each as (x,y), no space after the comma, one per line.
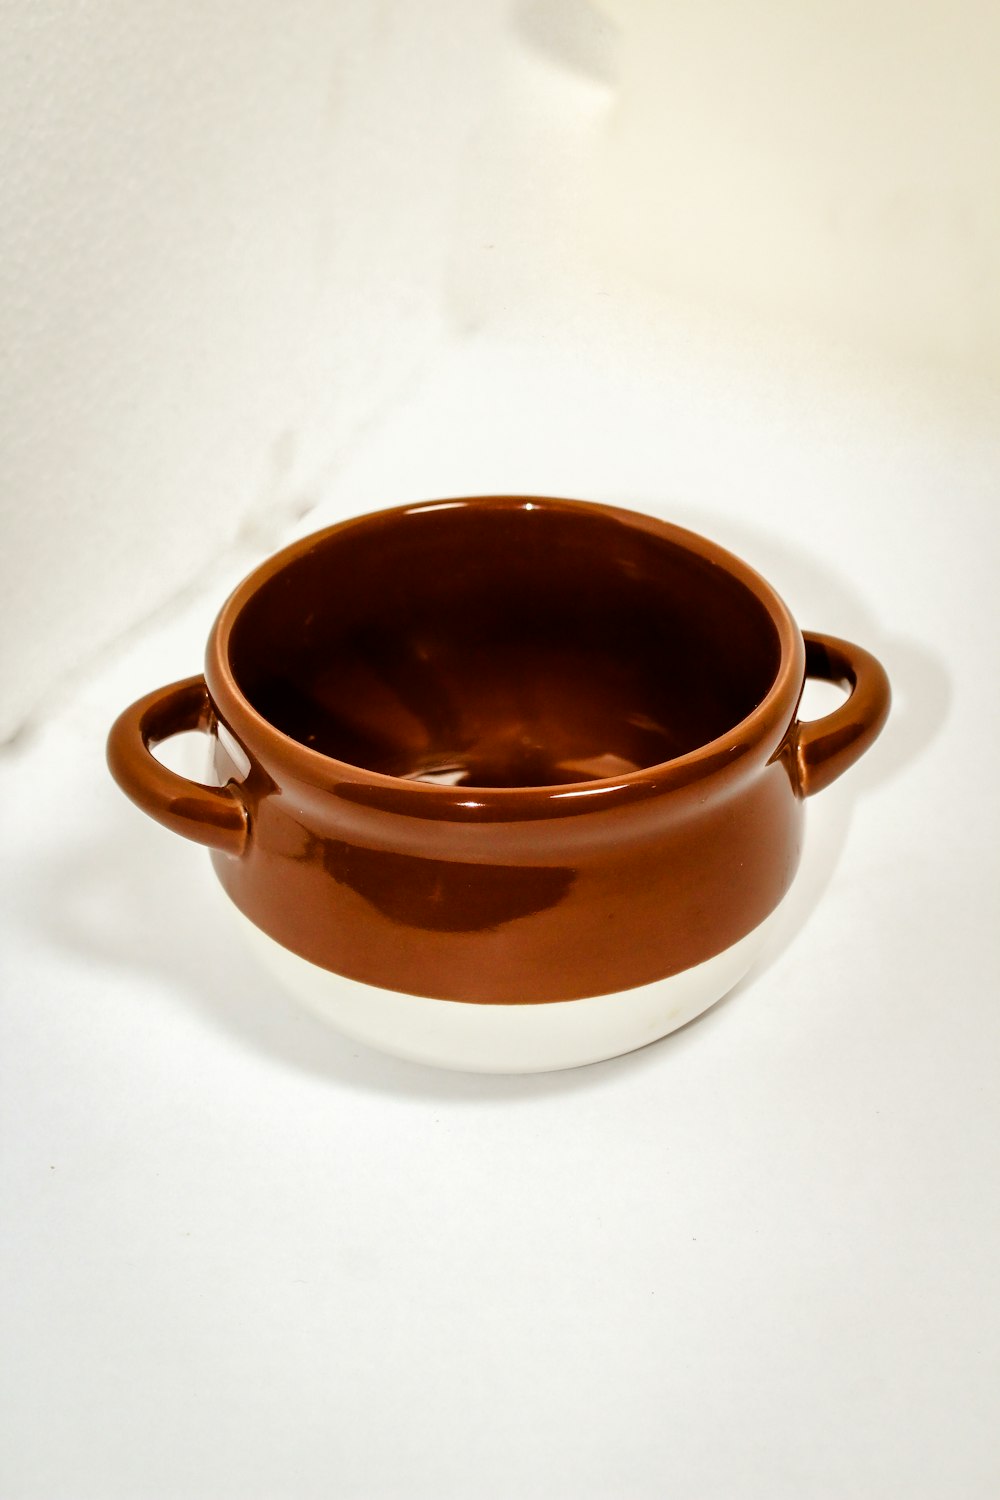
(245,1258)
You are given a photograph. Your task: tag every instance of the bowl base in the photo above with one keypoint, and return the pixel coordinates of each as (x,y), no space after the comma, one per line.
(531,1038)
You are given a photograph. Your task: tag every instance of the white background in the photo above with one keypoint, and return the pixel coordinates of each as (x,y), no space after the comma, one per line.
(245,1258)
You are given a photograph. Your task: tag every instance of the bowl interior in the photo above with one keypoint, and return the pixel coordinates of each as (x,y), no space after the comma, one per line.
(520,645)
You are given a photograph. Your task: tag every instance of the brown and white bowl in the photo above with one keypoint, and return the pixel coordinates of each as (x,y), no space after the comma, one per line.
(504,783)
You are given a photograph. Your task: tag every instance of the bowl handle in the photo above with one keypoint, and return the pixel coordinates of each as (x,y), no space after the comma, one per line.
(822,748)
(208,814)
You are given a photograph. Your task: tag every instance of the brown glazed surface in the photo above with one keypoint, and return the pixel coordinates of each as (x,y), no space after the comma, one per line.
(504,749)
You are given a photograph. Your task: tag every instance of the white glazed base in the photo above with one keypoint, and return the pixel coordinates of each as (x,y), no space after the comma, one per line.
(535,1038)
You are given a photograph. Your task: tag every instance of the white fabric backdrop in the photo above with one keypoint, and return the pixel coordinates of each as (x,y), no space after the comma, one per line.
(235,234)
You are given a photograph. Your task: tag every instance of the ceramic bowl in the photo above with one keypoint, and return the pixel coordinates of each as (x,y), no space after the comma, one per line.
(504,783)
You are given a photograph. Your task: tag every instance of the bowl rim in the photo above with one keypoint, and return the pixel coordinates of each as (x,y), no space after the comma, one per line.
(764,729)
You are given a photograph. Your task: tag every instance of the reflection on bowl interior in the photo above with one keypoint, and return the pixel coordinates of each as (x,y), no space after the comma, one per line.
(503,648)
